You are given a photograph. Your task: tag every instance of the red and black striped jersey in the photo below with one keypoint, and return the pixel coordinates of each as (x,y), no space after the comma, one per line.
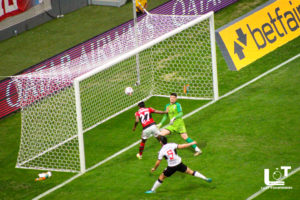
(145,116)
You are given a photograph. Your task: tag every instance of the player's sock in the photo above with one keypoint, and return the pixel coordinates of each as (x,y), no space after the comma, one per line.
(156,185)
(199,175)
(142,146)
(189,140)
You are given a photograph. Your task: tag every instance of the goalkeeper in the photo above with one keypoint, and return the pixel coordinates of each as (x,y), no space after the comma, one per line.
(176,122)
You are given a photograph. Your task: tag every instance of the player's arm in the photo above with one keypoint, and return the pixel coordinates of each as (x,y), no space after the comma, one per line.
(182,146)
(135,123)
(180,114)
(164,117)
(156,165)
(160,112)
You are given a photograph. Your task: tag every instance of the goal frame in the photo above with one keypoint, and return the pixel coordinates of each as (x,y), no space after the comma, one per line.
(73,92)
(136,51)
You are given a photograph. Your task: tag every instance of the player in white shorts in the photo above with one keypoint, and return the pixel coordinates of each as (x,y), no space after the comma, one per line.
(169,152)
(144,116)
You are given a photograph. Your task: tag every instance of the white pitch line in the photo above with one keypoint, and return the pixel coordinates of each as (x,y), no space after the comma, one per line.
(185,116)
(268,187)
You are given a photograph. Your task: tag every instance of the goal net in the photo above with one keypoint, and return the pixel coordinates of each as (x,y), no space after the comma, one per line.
(163,54)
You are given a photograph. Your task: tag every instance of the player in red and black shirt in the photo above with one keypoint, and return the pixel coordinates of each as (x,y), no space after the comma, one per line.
(144,116)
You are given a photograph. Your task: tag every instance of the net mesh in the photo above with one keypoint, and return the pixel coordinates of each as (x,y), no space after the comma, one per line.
(181,63)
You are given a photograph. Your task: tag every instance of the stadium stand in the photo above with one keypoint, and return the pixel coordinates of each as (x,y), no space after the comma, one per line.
(37,15)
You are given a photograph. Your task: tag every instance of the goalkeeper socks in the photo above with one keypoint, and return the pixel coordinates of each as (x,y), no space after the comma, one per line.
(156,185)
(189,140)
(199,175)
(142,146)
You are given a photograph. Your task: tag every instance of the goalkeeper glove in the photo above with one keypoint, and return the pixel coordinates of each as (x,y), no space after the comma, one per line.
(172,120)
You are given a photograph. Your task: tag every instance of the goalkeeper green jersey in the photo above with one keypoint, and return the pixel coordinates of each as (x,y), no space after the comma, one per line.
(175,110)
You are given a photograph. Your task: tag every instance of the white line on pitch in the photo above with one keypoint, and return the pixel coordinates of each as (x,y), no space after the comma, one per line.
(187,115)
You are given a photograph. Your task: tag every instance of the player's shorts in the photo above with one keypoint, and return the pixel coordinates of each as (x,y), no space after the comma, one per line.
(177,128)
(171,170)
(149,131)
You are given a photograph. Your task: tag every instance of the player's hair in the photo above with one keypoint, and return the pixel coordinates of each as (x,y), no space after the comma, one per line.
(174,94)
(163,139)
(141,104)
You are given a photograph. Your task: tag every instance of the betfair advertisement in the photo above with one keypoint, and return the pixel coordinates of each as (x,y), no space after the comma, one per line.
(259,32)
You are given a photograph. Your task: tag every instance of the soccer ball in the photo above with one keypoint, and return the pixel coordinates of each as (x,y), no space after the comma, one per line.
(129,91)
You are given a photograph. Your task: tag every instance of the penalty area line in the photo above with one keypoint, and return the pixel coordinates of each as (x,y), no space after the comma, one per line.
(185,116)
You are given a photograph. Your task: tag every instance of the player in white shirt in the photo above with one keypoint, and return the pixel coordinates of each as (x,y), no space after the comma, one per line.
(168,151)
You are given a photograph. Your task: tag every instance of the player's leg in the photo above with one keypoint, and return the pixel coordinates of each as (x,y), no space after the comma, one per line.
(156,133)
(165,132)
(167,173)
(183,168)
(197,174)
(190,140)
(180,128)
(145,135)
(157,183)
(141,149)
(169,129)
(148,132)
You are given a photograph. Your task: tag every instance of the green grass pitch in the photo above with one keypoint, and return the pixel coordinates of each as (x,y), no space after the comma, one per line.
(241,135)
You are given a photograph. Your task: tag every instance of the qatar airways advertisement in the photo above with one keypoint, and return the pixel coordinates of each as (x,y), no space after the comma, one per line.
(9,99)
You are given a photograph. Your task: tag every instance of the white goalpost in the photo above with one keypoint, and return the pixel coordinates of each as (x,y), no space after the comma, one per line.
(58,105)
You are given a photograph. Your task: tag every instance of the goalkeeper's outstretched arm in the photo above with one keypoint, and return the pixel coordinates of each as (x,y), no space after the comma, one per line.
(163,119)
(180,114)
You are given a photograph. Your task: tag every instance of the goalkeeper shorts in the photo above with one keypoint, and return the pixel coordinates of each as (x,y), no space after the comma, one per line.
(177,128)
